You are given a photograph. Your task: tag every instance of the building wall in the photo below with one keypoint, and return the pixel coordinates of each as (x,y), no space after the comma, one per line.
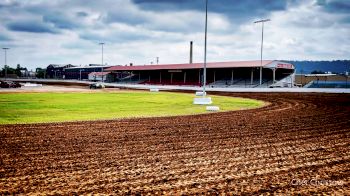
(303,80)
(54,72)
(75,73)
(57,72)
(106,78)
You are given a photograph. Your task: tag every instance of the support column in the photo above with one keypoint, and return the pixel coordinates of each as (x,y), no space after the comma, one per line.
(231,76)
(273,76)
(171,78)
(260,75)
(160,77)
(199,77)
(139,76)
(184,77)
(252,76)
(149,77)
(214,76)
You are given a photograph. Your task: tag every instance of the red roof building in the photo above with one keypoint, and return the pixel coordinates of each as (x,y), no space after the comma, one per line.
(231,64)
(265,71)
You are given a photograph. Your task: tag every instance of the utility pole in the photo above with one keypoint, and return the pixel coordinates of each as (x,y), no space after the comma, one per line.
(191,52)
(262,43)
(102,59)
(5,66)
(157,60)
(205,48)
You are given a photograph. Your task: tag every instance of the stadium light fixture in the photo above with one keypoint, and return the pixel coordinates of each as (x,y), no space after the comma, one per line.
(102,59)
(262,43)
(5,66)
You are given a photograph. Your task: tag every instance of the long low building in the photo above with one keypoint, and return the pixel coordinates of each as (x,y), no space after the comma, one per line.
(82,73)
(268,73)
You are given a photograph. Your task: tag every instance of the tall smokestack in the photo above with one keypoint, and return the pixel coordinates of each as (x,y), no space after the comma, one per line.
(191,52)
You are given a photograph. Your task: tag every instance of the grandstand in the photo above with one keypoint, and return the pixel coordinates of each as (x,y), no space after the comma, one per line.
(219,74)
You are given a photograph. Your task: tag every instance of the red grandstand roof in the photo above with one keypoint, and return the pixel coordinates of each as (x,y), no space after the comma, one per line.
(232,64)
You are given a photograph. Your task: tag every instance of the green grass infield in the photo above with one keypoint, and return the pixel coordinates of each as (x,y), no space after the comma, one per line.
(59,107)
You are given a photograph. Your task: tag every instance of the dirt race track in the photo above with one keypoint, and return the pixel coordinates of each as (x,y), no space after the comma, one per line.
(300,143)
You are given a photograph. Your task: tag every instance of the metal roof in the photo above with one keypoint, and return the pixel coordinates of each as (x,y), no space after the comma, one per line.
(61,65)
(318,75)
(87,67)
(231,64)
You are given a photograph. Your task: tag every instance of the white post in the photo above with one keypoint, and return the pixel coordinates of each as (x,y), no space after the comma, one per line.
(274,75)
(102,59)
(261,53)
(5,50)
(205,48)
(262,42)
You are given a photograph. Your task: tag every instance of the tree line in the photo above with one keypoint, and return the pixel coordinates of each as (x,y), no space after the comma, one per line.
(20,71)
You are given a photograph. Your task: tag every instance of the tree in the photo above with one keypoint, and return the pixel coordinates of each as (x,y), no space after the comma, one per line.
(9,70)
(317,72)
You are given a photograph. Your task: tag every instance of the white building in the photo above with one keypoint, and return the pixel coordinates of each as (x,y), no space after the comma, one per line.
(97,76)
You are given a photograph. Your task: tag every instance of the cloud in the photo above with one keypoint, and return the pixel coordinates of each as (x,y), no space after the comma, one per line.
(82,14)
(60,20)
(337,6)
(4,38)
(139,30)
(31,26)
(8,4)
(235,10)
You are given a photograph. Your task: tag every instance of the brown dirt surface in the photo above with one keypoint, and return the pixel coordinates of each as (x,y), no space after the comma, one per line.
(299,144)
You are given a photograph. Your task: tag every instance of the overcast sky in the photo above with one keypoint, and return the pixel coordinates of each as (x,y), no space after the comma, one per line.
(41,32)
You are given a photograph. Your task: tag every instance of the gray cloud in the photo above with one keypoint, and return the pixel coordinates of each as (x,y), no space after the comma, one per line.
(142,29)
(113,37)
(31,26)
(60,20)
(82,14)
(337,6)
(4,38)
(7,5)
(235,10)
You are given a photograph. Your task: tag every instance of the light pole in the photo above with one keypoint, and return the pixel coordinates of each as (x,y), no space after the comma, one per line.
(205,48)
(262,42)
(5,66)
(102,59)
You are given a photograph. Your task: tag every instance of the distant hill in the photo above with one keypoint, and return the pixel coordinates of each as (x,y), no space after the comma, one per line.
(306,67)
